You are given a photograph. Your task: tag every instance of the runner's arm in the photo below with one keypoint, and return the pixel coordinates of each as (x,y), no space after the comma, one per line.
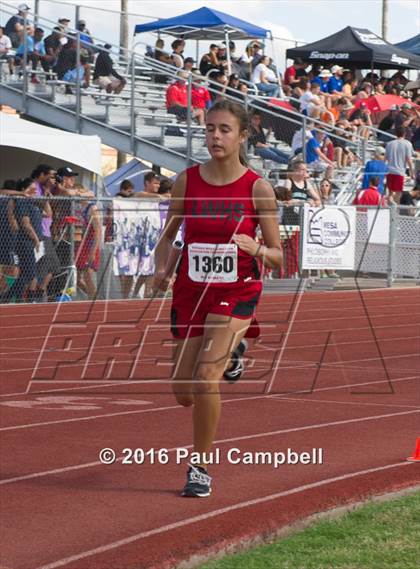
(265,203)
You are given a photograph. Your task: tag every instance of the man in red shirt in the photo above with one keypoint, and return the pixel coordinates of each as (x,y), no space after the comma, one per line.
(177,100)
(294,73)
(371,195)
(200,96)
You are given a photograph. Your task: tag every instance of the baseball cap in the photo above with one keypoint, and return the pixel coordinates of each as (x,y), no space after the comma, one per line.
(336,69)
(325,73)
(66,171)
(82,22)
(60,20)
(23,7)
(221,46)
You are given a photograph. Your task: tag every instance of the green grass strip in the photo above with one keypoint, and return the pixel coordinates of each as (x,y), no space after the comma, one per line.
(379,535)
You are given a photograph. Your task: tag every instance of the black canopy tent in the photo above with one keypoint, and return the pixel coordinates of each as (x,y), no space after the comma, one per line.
(358,48)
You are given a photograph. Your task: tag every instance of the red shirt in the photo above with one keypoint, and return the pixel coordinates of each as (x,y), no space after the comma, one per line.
(176,95)
(371,196)
(289,75)
(214,213)
(200,96)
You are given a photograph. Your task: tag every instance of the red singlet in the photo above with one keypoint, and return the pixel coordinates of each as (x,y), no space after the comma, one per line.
(214,275)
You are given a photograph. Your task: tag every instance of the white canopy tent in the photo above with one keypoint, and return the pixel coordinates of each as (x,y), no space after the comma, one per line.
(25,144)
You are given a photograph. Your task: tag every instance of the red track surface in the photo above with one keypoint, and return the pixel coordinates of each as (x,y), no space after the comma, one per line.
(332,370)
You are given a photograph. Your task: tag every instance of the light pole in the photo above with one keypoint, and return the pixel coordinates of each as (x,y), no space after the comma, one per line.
(385,7)
(121,156)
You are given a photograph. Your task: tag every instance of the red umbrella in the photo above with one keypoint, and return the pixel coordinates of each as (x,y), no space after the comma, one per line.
(380,103)
(284,104)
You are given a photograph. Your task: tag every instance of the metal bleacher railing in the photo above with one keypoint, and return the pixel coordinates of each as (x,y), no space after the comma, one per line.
(136,120)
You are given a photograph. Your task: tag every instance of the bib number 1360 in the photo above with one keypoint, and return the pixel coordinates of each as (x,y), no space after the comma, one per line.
(212,262)
(215,264)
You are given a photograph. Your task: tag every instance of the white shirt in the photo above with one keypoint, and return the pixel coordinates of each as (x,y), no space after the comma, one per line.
(306,99)
(256,74)
(297,139)
(5,43)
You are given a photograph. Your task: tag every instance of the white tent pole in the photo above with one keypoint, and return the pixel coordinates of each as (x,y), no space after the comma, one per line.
(228,51)
(276,63)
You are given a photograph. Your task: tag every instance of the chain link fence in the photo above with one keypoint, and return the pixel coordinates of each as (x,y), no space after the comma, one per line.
(104,248)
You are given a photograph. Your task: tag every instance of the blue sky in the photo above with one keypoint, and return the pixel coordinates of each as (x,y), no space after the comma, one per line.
(307,20)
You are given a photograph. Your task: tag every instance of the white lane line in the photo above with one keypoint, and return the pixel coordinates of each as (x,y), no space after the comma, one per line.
(358,403)
(220,441)
(213,514)
(152,410)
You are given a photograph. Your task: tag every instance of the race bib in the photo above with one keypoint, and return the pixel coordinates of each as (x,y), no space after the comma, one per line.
(213,262)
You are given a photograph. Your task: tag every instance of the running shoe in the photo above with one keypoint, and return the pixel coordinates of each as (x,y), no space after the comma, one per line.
(198,483)
(237,363)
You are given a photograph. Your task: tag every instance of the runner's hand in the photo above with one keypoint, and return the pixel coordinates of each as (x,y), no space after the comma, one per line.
(246,243)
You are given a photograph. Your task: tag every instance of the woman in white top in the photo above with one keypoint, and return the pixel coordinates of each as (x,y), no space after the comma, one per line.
(260,78)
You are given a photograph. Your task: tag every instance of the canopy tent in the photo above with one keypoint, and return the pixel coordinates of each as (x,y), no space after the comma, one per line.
(25,144)
(204,24)
(356,47)
(412,45)
(133,171)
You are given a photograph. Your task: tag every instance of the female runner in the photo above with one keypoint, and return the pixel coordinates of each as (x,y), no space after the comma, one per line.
(218,283)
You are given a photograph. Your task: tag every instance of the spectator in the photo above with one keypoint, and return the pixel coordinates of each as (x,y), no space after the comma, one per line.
(68,68)
(218,88)
(233,83)
(88,250)
(63,24)
(126,190)
(245,64)
(399,154)
(159,54)
(188,64)
(310,98)
(39,54)
(151,186)
(28,240)
(410,199)
(325,190)
(296,191)
(87,46)
(335,83)
(315,158)
(177,51)
(20,51)
(258,140)
(9,261)
(105,75)
(165,188)
(297,141)
(200,96)
(49,263)
(260,78)
(376,167)
(177,100)
(53,47)
(292,75)
(5,49)
(323,80)
(370,195)
(15,24)
(209,60)
(406,118)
